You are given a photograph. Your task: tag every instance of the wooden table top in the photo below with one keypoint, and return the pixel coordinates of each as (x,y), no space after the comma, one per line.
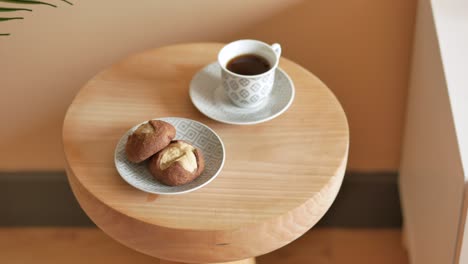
(279,178)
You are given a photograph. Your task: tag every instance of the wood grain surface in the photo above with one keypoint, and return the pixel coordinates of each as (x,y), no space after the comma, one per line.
(72,245)
(279,179)
(244,261)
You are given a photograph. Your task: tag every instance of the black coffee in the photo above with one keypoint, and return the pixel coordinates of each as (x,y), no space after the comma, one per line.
(248,64)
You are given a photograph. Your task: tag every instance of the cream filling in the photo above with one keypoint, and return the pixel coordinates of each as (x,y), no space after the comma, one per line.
(146,128)
(179,152)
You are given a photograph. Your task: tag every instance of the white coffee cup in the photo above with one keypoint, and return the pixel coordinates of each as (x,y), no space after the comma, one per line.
(248,90)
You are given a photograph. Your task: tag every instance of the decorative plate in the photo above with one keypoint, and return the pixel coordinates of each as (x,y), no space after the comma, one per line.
(209,98)
(191,131)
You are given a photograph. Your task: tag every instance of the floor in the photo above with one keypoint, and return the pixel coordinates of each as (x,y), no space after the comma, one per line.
(90,245)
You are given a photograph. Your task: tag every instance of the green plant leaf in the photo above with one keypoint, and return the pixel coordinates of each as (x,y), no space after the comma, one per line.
(6,9)
(31,2)
(28,2)
(9,18)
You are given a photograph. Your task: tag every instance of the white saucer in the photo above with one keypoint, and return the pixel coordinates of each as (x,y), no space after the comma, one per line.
(199,135)
(209,98)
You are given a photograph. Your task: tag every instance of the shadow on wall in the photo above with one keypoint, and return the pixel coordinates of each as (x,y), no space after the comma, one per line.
(360,49)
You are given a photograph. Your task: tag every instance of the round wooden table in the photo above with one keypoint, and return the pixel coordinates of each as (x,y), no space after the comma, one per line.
(279,178)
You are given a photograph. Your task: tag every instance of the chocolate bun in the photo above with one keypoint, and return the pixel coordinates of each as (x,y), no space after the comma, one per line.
(178,163)
(148,139)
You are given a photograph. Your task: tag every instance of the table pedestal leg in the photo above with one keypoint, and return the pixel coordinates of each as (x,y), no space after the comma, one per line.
(244,261)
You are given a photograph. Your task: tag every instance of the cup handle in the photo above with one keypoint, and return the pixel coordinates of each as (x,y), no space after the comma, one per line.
(277,49)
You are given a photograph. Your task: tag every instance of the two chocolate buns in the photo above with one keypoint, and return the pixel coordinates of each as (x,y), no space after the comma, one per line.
(171,162)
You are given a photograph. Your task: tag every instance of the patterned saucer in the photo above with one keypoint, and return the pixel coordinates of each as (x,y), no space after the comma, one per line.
(191,131)
(209,98)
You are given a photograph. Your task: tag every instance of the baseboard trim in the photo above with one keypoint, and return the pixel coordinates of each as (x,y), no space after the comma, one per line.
(367,200)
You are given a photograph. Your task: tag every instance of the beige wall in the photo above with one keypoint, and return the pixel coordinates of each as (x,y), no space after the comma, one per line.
(431,173)
(360,48)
